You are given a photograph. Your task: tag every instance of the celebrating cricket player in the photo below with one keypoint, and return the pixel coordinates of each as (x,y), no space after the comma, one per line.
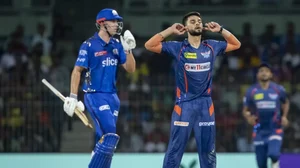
(99,57)
(266,107)
(194,108)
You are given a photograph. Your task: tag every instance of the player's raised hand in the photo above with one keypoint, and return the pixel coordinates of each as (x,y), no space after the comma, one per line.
(178,29)
(212,26)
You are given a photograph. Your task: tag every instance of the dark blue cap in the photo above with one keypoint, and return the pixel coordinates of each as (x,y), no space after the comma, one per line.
(108,14)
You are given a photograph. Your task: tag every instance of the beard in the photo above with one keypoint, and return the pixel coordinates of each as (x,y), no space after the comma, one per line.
(195,33)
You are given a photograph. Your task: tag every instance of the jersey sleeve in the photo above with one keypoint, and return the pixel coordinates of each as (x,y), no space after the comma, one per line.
(122,55)
(171,48)
(83,55)
(282,94)
(218,47)
(247,100)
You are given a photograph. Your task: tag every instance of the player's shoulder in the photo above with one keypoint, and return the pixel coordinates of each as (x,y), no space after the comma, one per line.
(252,88)
(277,86)
(88,42)
(210,41)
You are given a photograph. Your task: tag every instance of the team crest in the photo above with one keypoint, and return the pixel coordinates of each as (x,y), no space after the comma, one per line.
(115,51)
(205,54)
(273,95)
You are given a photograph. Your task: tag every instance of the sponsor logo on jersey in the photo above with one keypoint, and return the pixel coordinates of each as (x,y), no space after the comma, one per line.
(258,96)
(80,59)
(189,55)
(205,54)
(206,124)
(191,67)
(116,113)
(266,104)
(115,51)
(100,53)
(104,107)
(273,95)
(109,62)
(257,143)
(181,123)
(83,52)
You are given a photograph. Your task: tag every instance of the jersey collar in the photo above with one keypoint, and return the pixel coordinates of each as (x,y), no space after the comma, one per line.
(103,43)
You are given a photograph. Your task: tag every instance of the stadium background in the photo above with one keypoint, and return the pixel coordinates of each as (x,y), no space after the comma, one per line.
(40,39)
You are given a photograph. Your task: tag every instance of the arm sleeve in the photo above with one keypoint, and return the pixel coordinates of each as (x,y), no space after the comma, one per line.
(282,94)
(83,55)
(122,55)
(171,48)
(247,100)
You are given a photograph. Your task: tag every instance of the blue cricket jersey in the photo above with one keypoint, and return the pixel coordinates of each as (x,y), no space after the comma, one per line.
(266,105)
(194,66)
(101,60)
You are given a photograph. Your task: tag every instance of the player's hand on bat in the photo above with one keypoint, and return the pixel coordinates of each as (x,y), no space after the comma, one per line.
(284,121)
(212,26)
(178,29)
(70,104)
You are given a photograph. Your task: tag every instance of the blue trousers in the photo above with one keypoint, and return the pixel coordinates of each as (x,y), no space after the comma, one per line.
(267,146)
(104,109)
(197,115)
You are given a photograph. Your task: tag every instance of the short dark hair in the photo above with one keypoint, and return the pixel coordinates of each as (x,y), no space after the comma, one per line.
(185,17)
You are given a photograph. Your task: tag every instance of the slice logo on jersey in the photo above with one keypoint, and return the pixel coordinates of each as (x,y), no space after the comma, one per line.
(83,52)
(273,96)
(258,96)
(181,123)
(189,55)
(115,51)
(191,67)
(266,104)
(104,107)
(100,53)
(205,54)
(109,62)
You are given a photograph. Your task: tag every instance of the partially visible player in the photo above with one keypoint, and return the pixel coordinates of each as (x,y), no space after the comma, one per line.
(194,109)
(100,56)
(266,107)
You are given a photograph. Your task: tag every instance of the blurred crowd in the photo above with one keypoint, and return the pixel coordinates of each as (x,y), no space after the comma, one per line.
(32,118)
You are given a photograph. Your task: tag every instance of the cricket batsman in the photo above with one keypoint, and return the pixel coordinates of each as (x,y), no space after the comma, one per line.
(99,58)
(193,108)
(266,107)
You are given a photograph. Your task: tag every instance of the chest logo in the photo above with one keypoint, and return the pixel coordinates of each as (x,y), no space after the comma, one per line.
(197,67)
(100,53)
(258,96)
(189,55)
(273,96)
(205,54)
(115,51)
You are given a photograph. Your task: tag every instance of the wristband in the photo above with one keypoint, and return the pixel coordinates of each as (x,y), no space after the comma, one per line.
(72,95)
(221,29)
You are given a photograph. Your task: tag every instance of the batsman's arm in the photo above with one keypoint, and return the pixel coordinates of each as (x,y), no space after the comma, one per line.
(154,44)
(75,79)
(232,42)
